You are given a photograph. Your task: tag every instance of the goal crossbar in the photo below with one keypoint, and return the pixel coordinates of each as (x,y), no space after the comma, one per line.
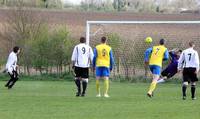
(88,23)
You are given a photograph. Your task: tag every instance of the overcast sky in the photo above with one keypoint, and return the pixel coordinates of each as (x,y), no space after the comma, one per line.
(72,1)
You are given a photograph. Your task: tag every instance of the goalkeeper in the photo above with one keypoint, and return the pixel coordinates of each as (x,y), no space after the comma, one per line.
(171,69)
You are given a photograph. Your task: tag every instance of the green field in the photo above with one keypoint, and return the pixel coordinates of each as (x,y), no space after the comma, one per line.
(56,100)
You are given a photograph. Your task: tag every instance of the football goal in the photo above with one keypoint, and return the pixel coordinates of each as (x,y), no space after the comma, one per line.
(127,40)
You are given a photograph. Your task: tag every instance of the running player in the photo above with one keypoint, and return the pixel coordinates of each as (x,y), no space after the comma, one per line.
(11,67)
(157,55)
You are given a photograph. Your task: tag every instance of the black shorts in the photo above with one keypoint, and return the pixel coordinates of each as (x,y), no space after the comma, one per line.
(81,72)
(168,74)
(189,75)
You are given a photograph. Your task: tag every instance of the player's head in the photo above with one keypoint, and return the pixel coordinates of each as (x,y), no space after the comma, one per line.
(162,41)
(178,53)
(191,44)
(103,39)
(82,40)
(16,50)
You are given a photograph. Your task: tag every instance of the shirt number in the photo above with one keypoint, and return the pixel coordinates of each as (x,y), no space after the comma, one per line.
(157,49)
(83,50)
(190,54)
(104,52)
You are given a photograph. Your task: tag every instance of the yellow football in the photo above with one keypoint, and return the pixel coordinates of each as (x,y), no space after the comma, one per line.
(148,40)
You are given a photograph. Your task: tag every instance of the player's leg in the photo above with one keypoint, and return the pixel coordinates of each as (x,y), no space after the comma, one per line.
(78,84)
(84,85)
(106,86)
(77,81)
(98,76)
(193,90)
(98,86)
(184,89)
(156,74)
(10,80)
(194,79)
(15,78)
(85,76)
(164,76)
(106,74)
(162,79)
(153,85)
(185,82)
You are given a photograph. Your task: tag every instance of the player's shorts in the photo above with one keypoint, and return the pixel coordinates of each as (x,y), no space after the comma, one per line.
(81,72)
(189,75)
(167,73)
(155,69)
(102,71)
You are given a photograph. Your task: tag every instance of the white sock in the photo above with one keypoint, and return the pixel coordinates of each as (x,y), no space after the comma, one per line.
(161,80)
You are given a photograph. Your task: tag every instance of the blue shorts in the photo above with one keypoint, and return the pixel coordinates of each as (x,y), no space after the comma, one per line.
(102,71)
(155,69)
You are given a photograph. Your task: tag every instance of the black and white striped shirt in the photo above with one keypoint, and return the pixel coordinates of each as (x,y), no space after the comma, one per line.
(11,62)
(82,55)
(189,59)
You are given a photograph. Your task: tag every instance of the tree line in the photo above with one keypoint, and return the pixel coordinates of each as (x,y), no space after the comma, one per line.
(44,48)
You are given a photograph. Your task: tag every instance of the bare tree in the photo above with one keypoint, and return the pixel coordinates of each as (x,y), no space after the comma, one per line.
(24,24)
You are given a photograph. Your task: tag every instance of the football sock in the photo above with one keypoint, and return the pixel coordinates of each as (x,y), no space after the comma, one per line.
(97,87)
(152,87)
(106,86)
(193,90)
(84,84)
(161,80)
(78,84)
(184,88)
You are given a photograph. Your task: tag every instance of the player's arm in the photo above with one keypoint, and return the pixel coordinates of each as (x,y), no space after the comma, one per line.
(172,53)
(91,55)
(166,55)
(94,58)
(197,61)
(147,54)
(180,61)
(112,61)
(73,58)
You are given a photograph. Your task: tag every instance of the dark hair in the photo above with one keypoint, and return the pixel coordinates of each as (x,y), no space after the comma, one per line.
(179,50)
(82,40)
(103,39)
(15,49)
(162,41)
(191,43)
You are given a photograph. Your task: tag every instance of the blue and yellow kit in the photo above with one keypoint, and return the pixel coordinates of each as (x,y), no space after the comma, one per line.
(155,57)
(103,60)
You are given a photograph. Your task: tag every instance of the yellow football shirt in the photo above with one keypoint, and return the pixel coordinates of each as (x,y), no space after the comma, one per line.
(157,55)
(103,55)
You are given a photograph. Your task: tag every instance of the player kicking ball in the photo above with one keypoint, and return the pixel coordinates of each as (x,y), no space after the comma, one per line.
(171,69)
(154,57)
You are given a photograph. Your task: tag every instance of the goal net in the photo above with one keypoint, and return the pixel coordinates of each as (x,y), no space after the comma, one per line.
(127,39)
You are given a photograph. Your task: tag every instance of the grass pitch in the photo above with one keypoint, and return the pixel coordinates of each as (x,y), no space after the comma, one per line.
(56,100)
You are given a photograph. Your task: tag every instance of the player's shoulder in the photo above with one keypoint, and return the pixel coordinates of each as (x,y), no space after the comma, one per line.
(159,46)
(195,51)
(12,54)
(81,45)
(98,45)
